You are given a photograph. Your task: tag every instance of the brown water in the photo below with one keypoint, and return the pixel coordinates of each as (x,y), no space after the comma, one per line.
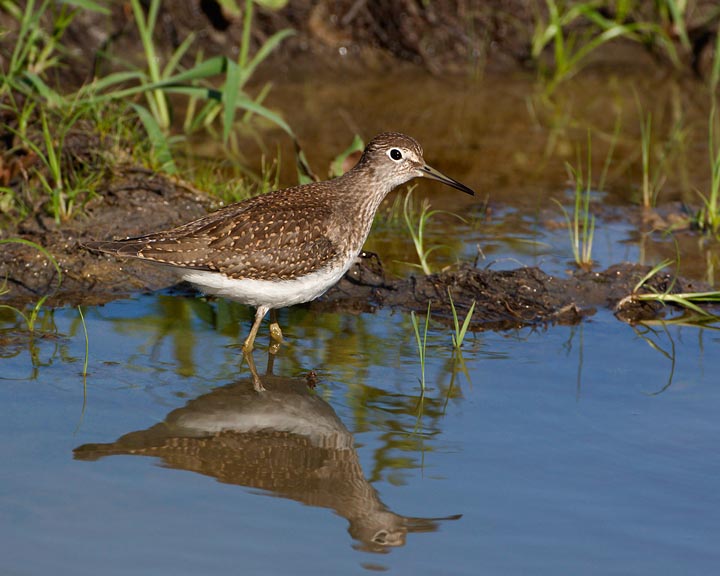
(506,137)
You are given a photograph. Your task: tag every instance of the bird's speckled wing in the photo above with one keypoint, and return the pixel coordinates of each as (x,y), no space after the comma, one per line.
(265,238)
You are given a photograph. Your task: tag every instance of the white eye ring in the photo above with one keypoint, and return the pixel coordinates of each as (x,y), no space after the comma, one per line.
(395,154)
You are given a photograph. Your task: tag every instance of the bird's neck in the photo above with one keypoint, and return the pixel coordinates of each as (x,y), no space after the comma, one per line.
(362,193)
(363,188)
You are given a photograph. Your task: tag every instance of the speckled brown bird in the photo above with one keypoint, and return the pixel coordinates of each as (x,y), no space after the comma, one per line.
(288,246)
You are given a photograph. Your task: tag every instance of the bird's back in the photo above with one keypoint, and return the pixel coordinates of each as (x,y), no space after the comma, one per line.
(278,235)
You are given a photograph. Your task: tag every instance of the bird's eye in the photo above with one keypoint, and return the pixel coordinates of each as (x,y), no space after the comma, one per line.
(395,154)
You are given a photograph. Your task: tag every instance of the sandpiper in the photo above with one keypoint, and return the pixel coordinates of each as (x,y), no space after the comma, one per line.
(288,246)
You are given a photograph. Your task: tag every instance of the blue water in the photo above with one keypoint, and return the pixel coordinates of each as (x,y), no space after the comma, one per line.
(577,450)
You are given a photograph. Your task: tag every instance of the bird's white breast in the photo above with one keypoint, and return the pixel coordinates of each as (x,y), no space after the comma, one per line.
(270,293)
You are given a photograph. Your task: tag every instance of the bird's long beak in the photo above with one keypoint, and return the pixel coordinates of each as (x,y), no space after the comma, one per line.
(430,172)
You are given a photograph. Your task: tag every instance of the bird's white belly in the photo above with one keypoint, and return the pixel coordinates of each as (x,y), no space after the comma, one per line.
(270,293)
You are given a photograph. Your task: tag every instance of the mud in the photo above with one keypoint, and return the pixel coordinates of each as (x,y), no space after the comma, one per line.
(508,299)
(442,37)
(136,201)
(133,203)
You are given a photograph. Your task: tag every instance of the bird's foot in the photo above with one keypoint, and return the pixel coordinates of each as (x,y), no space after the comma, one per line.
(276,332)
(257,384)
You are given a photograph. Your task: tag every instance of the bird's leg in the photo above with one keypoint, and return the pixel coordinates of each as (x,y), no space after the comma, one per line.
(250,340)
(257,383)
(248,347)
(275,332)
(270,363)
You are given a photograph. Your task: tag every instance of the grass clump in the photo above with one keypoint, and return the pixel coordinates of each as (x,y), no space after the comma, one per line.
(708,218)
(459,334)
(421,341)
(691,301)
(416,224)
(206,104)
(36,50)
(56,158)
(40,116)
(574,30)
(581,225)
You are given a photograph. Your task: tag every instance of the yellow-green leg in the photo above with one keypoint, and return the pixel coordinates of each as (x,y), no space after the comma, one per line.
(275,331)
(250,343)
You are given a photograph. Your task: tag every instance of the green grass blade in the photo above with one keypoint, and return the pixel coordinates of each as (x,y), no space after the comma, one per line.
(35,312)
(675,299)
(421,341)
(210,67)
(466,323)
(245,39)
(418,341)
(460,331)
(158,140)
(264,51)
(176,57)
(259,99)
(230,97)
(100,84)
(88,5)
(336,167)
(53,99)
(654,270)
(87,340)
(678,20)
(715,73)
(246,103)
(24,43)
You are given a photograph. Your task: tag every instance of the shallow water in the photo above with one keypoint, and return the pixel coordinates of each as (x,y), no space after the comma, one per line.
(562,450)
(590,449)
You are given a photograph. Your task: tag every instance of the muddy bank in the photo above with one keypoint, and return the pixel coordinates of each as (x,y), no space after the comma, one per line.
(506,299)
(442,37)
(133,203)
(136,202)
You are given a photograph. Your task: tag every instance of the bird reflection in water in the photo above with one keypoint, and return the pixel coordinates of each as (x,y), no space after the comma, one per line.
(287,441)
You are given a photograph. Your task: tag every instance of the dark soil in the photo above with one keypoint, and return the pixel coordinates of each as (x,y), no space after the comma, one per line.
(443,37)
(133,203)
(506,299)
